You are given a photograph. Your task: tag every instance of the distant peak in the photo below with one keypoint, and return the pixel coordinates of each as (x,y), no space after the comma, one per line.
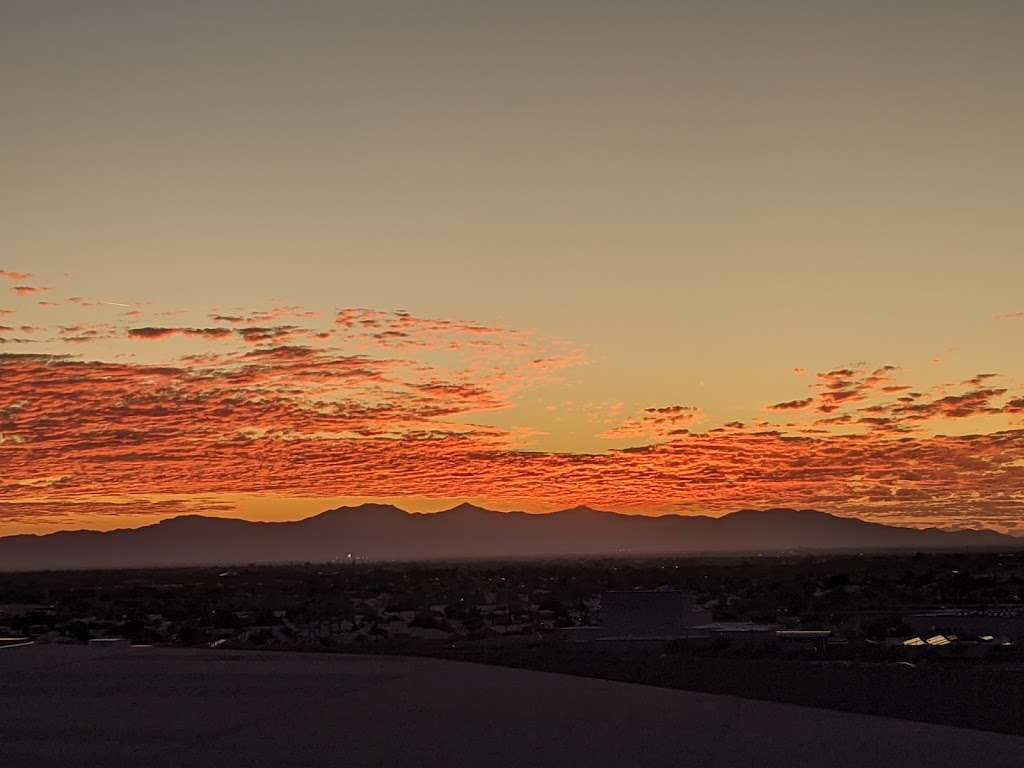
(583,509)
(192,519)
(466,507)
(777,512)
(360,509)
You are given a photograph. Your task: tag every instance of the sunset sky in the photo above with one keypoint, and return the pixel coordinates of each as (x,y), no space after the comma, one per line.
(261,259)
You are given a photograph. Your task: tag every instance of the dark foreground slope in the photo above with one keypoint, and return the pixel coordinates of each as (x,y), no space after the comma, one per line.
(388,533)
(75,705)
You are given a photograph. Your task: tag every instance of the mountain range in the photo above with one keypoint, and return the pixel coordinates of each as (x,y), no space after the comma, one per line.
(384,532)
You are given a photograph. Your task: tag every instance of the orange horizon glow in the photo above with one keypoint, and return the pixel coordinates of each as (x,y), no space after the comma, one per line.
(272,414)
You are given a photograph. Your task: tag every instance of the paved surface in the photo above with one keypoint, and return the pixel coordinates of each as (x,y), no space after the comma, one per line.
(79,706)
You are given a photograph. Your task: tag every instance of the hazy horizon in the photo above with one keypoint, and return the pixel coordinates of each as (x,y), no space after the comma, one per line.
(111,524)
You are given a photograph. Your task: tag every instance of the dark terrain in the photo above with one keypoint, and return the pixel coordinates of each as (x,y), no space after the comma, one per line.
(379,532)
(74,705)
(517,613)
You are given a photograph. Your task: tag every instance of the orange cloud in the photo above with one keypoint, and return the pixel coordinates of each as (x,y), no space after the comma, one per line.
(149,332)
(15,277)
(293,410)
(401,329)
(792,405)
(667,421)
(295,421)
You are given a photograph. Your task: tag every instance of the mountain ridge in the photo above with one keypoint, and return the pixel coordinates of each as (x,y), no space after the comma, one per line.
(467,531)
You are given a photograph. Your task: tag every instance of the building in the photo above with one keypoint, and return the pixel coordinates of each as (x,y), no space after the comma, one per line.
(971,646)
(650,614)
(805,639)
(739,632)
(1006,622)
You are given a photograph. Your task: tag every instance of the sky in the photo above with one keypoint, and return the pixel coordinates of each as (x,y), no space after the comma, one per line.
(262,259)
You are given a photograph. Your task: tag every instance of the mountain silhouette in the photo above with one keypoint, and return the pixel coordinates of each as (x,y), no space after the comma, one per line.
(385,532)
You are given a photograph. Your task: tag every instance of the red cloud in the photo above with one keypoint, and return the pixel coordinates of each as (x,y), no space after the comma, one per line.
(979,379)
(791,405)
(280,333)
(82,333)
(663,422)
(267,412)
(298,421)
(973,403)
(263,316)
(162,333)
(845,386)
(401,329)
(152,333)
(15,277)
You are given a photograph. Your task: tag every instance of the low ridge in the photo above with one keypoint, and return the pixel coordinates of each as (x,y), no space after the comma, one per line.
(386,532)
